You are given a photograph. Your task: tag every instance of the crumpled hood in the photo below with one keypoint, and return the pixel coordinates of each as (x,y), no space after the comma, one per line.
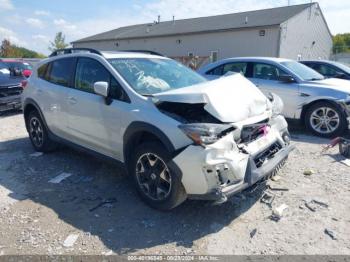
(333,83)
(229,99)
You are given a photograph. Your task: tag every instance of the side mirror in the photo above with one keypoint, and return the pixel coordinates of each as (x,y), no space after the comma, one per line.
(286,79)
(101,88)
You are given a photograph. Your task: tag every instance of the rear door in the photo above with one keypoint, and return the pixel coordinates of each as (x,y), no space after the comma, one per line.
(54,82)
(266,77)
(92,123)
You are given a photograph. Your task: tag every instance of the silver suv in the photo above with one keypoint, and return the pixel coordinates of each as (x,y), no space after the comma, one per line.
(179,135)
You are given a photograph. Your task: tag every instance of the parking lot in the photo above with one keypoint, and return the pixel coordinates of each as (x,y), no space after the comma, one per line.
(96,206)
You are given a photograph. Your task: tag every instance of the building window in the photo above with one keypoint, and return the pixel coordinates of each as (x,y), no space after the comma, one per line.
(190,54)
(262,33)
(214,56)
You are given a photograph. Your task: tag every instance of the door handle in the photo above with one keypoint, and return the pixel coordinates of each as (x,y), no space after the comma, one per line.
(72,100)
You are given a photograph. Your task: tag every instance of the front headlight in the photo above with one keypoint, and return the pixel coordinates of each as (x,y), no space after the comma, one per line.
(205,134)
(277,104)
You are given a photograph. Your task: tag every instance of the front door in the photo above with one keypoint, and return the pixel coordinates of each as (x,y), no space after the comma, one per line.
(92,122)
(266,78)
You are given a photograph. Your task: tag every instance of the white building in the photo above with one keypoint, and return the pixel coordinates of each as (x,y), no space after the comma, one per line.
(296,32)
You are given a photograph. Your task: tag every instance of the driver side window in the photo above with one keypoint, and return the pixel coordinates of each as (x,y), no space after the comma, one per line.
(88,72)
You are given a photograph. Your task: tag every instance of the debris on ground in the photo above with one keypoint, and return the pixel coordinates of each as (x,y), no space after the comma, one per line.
(105,203)
(346,162)
(278,188)
(58,179)
(313,204)
(267,199)
(309,172)
(344,146)
(253,232)
(277,212)
(330,233)
(276,178)
(107,253)
(36,154)
(70,240)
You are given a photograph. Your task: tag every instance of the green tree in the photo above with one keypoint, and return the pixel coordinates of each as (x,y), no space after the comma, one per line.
(341,43)
(59,42)
(8,50)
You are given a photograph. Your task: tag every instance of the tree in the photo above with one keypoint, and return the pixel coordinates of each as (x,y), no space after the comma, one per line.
(341,43)
(58,42)
(8,50)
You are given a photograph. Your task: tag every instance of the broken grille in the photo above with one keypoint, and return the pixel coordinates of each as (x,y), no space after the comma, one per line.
(267,154)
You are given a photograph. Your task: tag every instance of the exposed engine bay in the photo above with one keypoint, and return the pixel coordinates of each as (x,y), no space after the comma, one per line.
(187,113)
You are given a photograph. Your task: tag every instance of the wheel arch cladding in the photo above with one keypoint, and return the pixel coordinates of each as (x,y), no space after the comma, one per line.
(29,106)
(307,106)
(137,132)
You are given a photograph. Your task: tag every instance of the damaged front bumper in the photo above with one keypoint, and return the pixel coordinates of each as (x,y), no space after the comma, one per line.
(224,168)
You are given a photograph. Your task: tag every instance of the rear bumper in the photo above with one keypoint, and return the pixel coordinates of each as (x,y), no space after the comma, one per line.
(252,176)
(11,102)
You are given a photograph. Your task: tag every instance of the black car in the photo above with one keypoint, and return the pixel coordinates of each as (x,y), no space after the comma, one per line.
(11,87)
(329,69)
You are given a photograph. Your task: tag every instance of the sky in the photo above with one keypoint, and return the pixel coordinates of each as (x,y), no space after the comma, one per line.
(34,23)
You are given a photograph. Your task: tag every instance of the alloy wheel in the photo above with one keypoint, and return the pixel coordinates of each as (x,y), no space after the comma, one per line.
(36,132)
(324,120)
(153,176)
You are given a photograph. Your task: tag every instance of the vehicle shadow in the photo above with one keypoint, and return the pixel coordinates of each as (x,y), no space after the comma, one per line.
(9,113)
(99,199)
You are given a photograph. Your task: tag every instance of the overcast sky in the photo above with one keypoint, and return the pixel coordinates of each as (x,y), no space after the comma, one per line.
(33,23)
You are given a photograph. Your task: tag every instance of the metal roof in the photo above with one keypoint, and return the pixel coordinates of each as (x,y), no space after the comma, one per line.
(265,17)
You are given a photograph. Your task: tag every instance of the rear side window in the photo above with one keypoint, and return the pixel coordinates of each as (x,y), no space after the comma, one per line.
(61,71)
(88,72)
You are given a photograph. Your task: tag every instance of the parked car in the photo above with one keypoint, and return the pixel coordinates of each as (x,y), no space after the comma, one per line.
(179,135)
(11,87)
(329,69)
(322,104)
(18,67)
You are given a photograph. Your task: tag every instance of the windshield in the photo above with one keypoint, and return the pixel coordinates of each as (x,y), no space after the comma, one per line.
(148,76)
(302,71)
(342,67)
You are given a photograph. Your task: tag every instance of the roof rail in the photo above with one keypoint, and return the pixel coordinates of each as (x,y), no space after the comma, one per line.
(74,50)
(144,51)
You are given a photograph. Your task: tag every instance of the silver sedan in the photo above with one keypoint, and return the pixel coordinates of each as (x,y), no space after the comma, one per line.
(322,104)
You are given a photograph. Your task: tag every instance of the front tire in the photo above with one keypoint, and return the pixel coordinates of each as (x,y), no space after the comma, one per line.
(325,119)
(38,133)
(156,180)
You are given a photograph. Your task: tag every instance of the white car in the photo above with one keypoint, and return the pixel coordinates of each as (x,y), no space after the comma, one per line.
(179,135)
(322,104)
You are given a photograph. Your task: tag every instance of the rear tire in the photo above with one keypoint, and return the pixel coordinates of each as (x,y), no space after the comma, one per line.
(325,119)
(38,133)
(155,178)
